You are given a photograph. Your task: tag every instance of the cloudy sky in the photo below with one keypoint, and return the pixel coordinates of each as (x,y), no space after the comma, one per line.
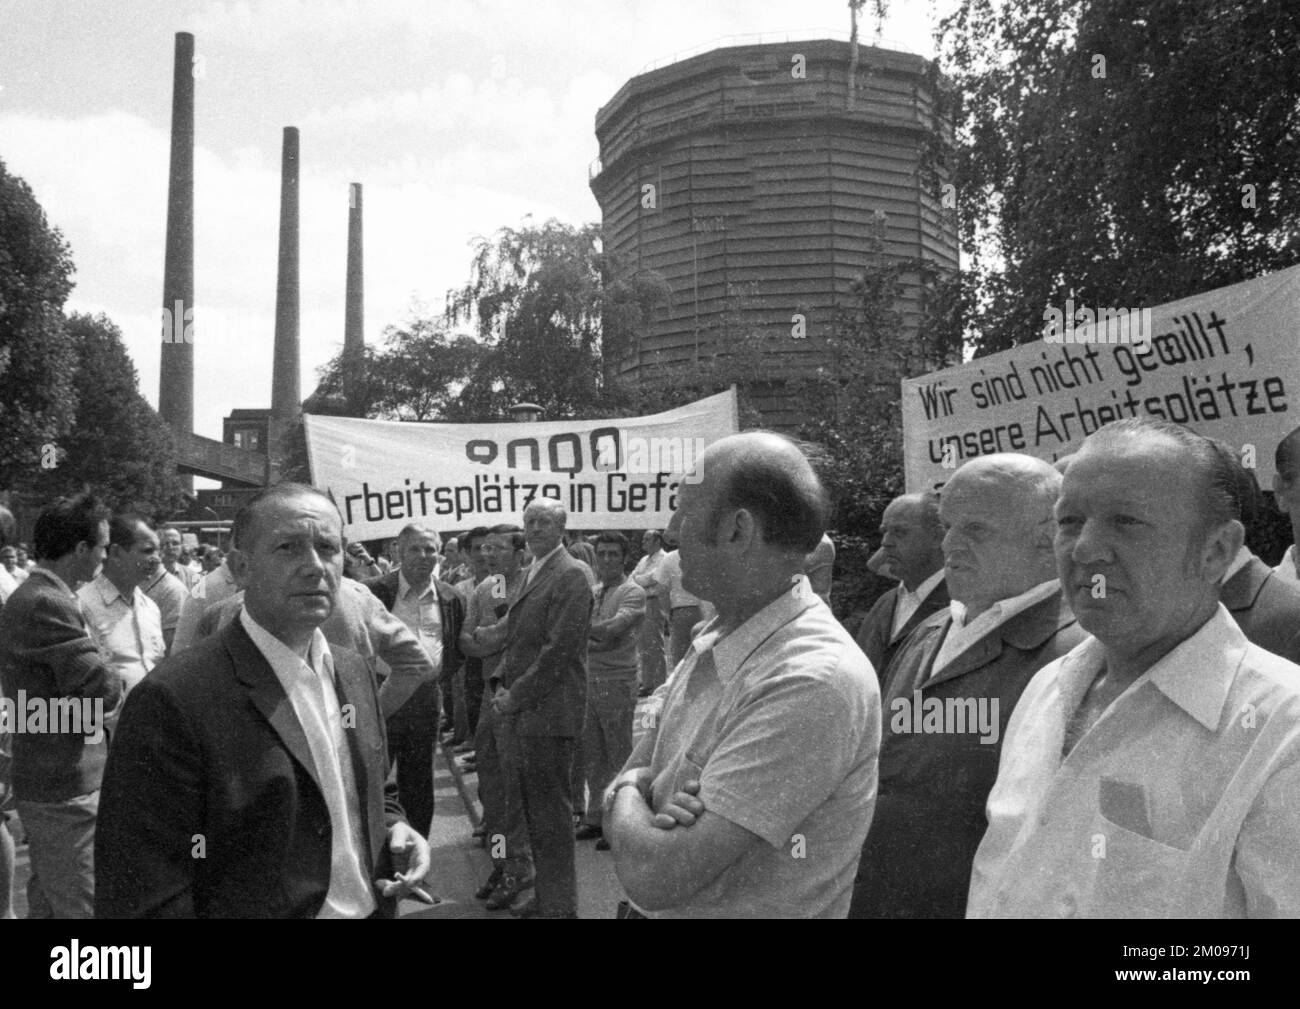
(457,116)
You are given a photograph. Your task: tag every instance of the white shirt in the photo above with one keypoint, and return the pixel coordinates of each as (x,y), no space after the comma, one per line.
(1180,802)
(1286,570)
(537,564)
(908,602)
(670,574)
(8,583)
(309,685)
(422,614)
(962,635)
(214,587)
(128,631)
(648,569)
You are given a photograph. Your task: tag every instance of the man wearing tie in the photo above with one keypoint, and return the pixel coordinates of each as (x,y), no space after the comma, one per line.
(542,693)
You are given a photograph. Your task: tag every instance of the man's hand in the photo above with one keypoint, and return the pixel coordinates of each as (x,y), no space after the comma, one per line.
(409,850)
(501,701)
(681,809)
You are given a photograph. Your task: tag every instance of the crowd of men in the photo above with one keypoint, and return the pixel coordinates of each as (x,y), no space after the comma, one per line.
(1080,699)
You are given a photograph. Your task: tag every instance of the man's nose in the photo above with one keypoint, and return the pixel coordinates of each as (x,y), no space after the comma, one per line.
(1091,545)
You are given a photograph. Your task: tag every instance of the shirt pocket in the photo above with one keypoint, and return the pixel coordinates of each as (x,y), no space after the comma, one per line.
(1137,876)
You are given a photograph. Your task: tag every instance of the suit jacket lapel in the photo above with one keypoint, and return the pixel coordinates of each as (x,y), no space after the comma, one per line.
(544,573)
(268,697)
(930,605)
(1239,592)
(1025,631)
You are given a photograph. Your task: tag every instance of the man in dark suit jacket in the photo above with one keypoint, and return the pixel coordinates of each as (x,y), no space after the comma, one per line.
(952,687)
(247,776)
(543,694)
(413,728)
(911,550)
(1266,608)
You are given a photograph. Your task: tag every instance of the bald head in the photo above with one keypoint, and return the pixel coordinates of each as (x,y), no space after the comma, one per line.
(911,539)
(767,476)
(544,521)
(997,510)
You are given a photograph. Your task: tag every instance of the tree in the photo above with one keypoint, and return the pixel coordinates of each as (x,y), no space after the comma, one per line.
(119,446)
(38,397)
(1102,157)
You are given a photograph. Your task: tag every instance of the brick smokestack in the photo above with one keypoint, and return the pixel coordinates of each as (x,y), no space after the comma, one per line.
(176,371)
(286,398)
(354,337)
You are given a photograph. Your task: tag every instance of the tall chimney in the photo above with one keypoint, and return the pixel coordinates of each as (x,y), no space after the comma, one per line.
(354,337)
(176,371)
(286,399)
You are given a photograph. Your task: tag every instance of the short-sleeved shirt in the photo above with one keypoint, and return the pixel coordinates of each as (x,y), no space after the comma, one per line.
(617,658)
(780,723)
(168,593)
(487,606)
(1182,801)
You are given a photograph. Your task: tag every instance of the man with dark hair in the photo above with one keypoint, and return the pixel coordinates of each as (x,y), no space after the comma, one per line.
(483,637)
(466,695)
(911,550)
(125,623)
(953,683)
(49,661)
(754,791)
(1286,491)
(543,683)
(611,679)
(1154,771)
(434,611)
(247,777)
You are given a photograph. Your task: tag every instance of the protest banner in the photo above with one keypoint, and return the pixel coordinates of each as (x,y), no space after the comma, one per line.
(609,474)
(1225,363)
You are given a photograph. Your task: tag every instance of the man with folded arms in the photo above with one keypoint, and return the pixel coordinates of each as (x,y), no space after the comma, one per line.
(1155,770)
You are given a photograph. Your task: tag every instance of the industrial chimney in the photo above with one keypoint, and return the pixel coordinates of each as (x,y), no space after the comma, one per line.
(286,399)
(176,371)
(354,306)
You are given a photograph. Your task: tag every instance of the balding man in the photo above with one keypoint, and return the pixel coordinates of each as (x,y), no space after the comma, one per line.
(1286,491)
(911,550)
(1155,770)
(952,687)
(543,675)
(751,796)
(247,778)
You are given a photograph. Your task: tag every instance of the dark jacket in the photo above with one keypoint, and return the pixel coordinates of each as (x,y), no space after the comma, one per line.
(1266,608)
(876,637)
(209,757)
(929,817)
(46,652)
(544,662)
(451,609)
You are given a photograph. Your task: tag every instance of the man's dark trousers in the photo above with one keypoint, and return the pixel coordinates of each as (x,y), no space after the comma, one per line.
(545,763)
(412,732)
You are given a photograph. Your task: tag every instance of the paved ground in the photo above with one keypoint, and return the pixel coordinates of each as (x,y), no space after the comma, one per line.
(459,865)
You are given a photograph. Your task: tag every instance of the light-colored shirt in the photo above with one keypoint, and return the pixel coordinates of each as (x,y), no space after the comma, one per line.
(961,635)
(648,570)
(615,656)
(492,592)
(908,602)
(1286,569)
(127,629)
(214,587)
(670,574)
(309,685)
(186,575)
(1181,801)
(780,723)
(8,584)
(420,611)
(537,564)
(168,593)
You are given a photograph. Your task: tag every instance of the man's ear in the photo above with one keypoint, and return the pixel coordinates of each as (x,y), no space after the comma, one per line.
(1221,546)
(1281,494)
(237,561)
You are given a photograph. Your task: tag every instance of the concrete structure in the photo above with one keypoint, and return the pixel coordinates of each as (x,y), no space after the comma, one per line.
(354,312)
(176,376)
(759,181)
(286,398)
